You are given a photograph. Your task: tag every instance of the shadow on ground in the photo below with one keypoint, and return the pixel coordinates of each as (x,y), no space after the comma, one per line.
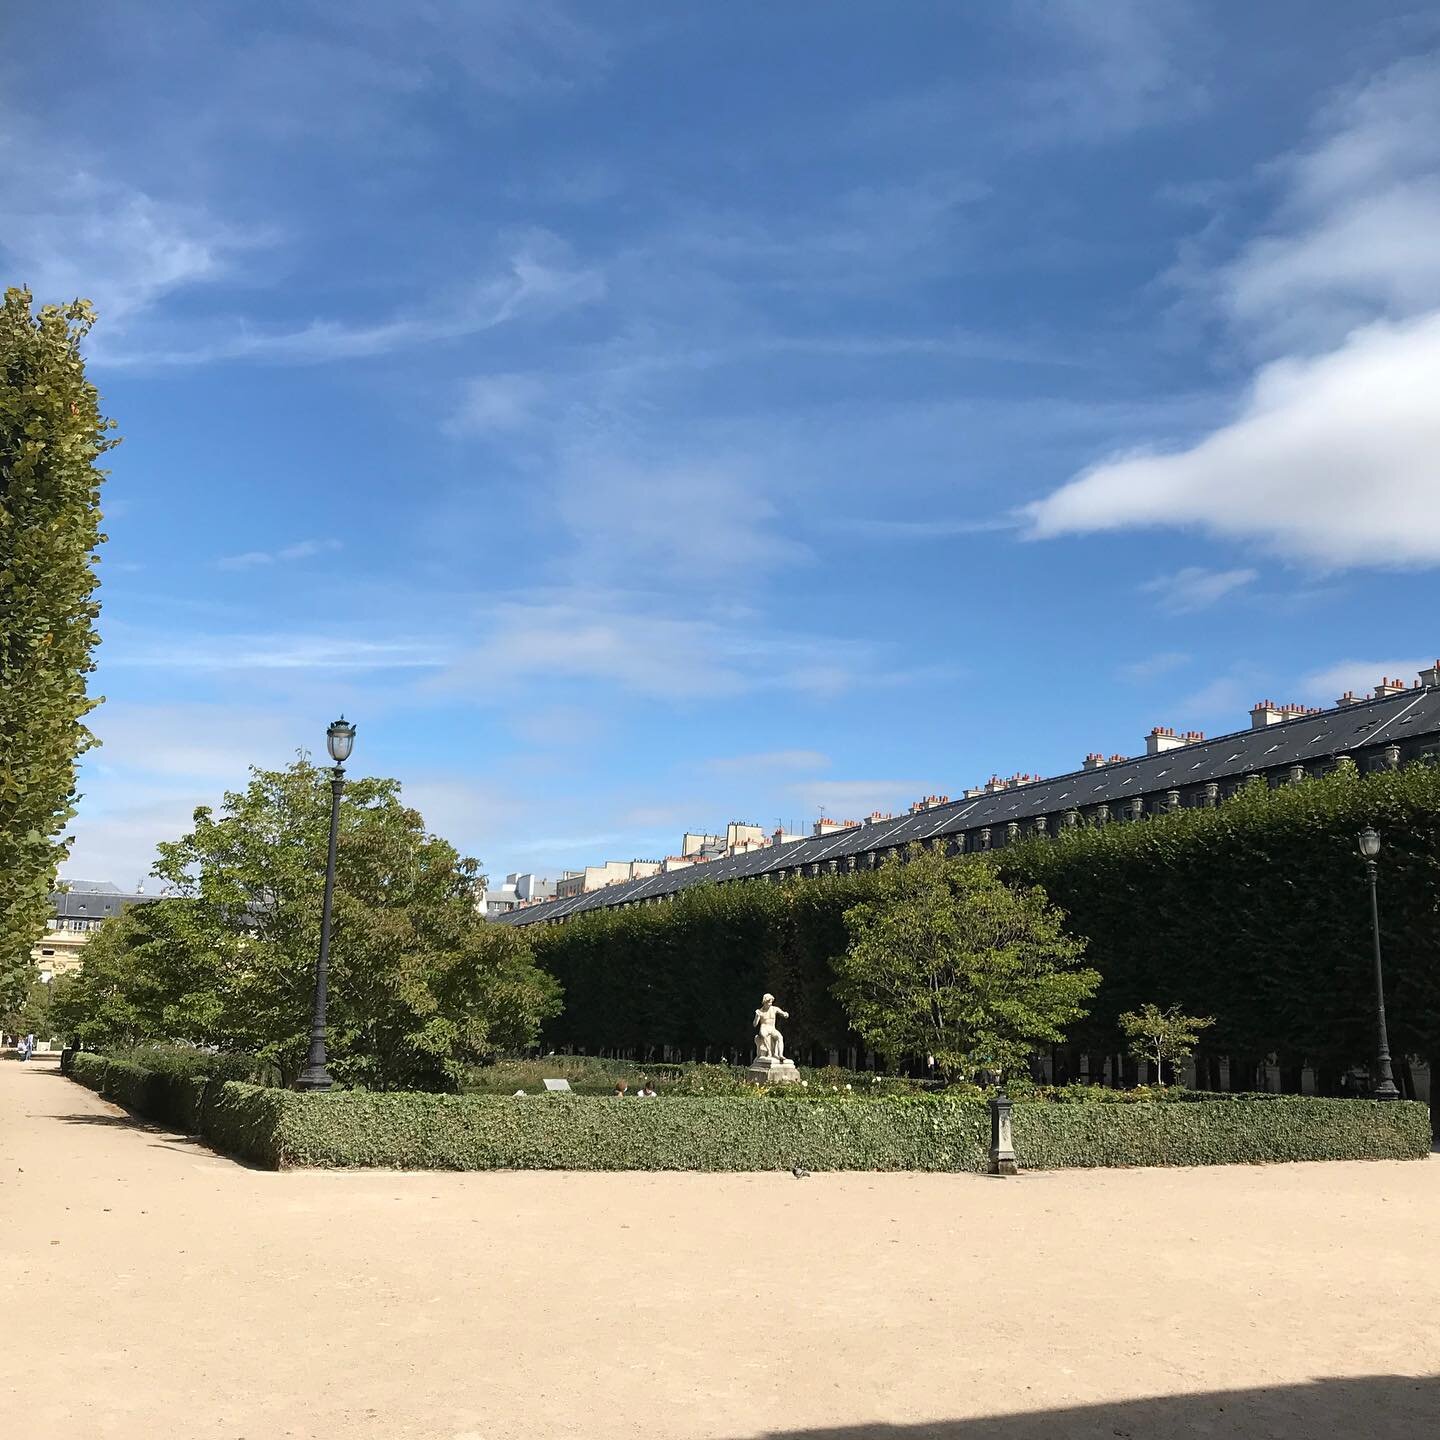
(1371,1407)
(127,1121)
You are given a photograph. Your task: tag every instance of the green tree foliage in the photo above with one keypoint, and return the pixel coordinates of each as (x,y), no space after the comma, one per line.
(420,985)
(1162,1036)
(51,434)
(948,959)
(33,1013)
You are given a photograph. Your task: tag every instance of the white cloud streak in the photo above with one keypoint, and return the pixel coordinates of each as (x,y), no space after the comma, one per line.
(1195,588)
(257,559)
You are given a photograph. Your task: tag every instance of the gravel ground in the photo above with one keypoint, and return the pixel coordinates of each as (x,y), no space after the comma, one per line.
(149,1287)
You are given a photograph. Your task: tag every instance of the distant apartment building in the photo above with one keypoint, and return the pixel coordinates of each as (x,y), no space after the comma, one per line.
(75,914)
(597,877)
(1179,769)
(520,888)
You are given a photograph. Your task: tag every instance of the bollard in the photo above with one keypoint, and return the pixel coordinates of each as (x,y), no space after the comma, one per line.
(1002,1151)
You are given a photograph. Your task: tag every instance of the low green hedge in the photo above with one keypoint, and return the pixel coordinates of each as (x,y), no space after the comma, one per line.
(1220,1132)
(278,1128)
(553,1132)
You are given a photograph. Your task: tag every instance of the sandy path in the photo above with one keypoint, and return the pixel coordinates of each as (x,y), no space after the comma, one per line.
(149,1287)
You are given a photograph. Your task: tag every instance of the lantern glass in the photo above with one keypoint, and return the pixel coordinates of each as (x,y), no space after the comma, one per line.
(1369,843)
(340,737)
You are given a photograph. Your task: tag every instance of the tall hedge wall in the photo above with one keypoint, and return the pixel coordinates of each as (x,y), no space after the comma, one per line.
(1254,912)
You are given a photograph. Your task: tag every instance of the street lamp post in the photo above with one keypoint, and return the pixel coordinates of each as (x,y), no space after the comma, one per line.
(1369,849)
(339,739)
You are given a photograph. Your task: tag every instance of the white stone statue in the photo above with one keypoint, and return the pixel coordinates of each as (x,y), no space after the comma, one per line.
(769,1042)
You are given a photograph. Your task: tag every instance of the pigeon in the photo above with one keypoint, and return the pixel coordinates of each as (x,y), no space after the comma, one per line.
(799,1172)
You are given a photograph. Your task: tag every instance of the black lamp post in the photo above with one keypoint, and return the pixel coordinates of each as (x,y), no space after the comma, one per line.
(1369,849)
(340,739)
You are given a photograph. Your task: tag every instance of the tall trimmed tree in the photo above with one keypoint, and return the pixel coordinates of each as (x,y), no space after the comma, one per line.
(51,435)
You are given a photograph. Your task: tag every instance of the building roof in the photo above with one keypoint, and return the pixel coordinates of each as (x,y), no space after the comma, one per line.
(1304,740)
(95,903)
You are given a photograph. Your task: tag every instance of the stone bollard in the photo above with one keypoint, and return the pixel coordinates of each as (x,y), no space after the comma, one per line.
(1002,1150)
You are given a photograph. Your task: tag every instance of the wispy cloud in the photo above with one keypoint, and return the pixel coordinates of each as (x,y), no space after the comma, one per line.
(1195,588)
(854,799)
(69,229)
(257,559)
(1361,676)
(1152,667)
(769,761)
(593,636)
(537,279)
(1350,240)
(237,653)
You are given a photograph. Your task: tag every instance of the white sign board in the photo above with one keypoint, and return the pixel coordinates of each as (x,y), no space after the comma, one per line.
(557,1084)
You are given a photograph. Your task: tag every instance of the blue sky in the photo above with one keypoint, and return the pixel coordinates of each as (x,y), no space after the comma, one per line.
(637,417)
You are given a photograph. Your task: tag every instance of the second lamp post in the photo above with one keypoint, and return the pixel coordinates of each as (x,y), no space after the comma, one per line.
(1369,849)
(340,740)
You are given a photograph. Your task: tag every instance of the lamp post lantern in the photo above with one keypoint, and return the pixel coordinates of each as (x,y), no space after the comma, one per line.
(1385,1086)
(339,740)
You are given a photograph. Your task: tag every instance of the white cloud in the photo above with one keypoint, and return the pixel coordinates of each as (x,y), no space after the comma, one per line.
(1334,461)
(1195,588)
(301,550)
(1334,457)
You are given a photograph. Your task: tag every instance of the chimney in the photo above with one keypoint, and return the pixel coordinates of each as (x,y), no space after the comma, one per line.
(1094,761)
(1348,698)
(972,792)
(1388,686)
(1430,678)
(1193,737)
(1160,739)
(1263,713)
(1117,759)
(994,785)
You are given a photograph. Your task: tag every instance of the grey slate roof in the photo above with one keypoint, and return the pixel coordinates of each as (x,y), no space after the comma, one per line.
(96,904)
(1404,719)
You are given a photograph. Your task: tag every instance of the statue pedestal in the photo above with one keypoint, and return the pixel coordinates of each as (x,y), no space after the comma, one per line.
(765,1071)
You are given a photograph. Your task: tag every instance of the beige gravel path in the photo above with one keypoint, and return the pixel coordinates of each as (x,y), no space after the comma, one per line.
(151,1288)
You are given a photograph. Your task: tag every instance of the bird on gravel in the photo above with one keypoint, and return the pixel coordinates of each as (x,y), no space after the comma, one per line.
(799,1172)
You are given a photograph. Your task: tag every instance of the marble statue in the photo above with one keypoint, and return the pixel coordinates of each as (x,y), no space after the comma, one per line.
(769,1042)
(770,1063)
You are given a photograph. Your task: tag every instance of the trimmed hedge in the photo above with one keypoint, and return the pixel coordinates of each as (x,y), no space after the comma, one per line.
(400,1130)
(1220,1132)
(483,1132)
(238,1119)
